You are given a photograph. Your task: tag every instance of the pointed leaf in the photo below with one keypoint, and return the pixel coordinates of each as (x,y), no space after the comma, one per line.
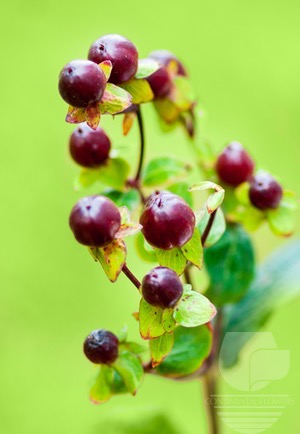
(168,320)
(75,115)
(146,67)
(150,318)
(217,229)
(111,257)
(193,250)
(163,169)
(115,100)
(173,258)
(101,391)
(160,348)
(128,121)
(282,219)
(214,201)
(92,116)
(106,67)
(206,185)
(130,368)
(140,90)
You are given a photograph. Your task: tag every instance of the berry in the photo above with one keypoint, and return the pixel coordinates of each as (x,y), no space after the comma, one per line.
(164,57)
(167,221)
(89,148)
(101,346)
(95,220)
(160,82)
(81,83)
(122,54)
(234,164)
(265,192)
(162,287)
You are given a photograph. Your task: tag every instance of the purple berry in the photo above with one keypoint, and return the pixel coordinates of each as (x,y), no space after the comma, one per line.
(234,164)
(101,346)
(89,148)
(265,192)
(160,82)
(164,57)
(81,83)
(95,220)
(121,52)
(167,221)
(162,287)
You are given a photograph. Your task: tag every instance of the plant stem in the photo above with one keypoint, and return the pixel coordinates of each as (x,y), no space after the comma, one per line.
(142,144)
(210,389)
(131,276)
(208,227)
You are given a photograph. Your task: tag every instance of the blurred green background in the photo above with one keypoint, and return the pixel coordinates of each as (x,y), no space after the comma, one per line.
(243,58)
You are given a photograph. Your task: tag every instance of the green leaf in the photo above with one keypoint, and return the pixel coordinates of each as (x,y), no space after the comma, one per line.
(133,347)
(193,250)
(150,318)
(282,219)
(139,90)
(217,229)
(146,67)
(160,348)
(182,94)
(214,201)
(166,110)
(114,100)
(168,320)
(130,368)
(145,251)
(230,265)
(111,257)
(191,347)
(181,189)
(206,185)
(277,282)
(163,169)
(242,193)
(193,309)
(173,258)
(130,199)
(101,391)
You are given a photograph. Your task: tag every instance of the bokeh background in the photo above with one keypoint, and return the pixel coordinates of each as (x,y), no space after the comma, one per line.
(243,58)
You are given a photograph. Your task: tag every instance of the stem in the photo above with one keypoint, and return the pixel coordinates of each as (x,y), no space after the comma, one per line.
(210,389)
(208,227)
(142,144)
(131,276)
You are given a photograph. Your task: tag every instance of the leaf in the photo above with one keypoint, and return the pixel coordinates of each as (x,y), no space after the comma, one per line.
(182,94)
(193,309)
(75,115)
(168,320)
(214,201)
(160,348)
(128,121)
(166,110)
(130,368)
(277,282)
(282,219)
(193,250)
(127,227)
(140,90)
(115,100)
(112,258)
(101,391)
(106,67)
(206,185)
(162,169)
(92,116)
(217,229)
(146,67)
(230,265)
(191,347)
(145,251)
(173,258)
(130,198)
(133,347)
(150,318)
(181,189)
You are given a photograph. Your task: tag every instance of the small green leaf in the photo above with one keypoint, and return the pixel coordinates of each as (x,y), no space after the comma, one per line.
(193,250)
(133,347)
(150,318)
(101,391)
(181,189)
(166,110)
(140,90)
(193,309)
(145,251)
(206,185)
(130,368)
(163,169)
(160,348)
(115,100)
(168,320)
(217,229)
(182,94)
(282,219)
(111,257)
(214,201)
(146,67)
(173,258)
(130,199)
(230,265)
(191,347)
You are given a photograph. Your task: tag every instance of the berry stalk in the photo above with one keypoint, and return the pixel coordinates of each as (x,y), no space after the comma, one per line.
(142,145)
(131,276)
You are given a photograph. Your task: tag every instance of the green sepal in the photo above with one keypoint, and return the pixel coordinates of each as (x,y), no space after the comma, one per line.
(115,100)
(160,348)
(139,90)
(193,309)
(150,319)
(145,251)
(130,368)
(181,189)
(173,259)
(168,320)
(193,250)
(282,219)
(163,169)
(111,257)
(146,67)
(217,229)
(191,347)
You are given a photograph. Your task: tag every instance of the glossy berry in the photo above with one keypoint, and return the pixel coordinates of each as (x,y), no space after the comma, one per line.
(101,346)
(234,164)
(81,83)
(265,192)
(121,52)
(164,57)
(160,82)
(162,287)
(95,220)
(89,148)
(167,221)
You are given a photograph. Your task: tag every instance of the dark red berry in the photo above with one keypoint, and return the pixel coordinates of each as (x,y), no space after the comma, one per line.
(162,287)
(164,57)
(160,82)
(121,52)
(167,221)
(89,148)
(234,164)
(81,83)
(101,346)
(95,220)
(265,192)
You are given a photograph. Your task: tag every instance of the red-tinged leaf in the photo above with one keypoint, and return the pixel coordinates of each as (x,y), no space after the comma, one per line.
(106,67)
(111,257)
(115,100)
(75,115)
(93,116)
(128,121)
